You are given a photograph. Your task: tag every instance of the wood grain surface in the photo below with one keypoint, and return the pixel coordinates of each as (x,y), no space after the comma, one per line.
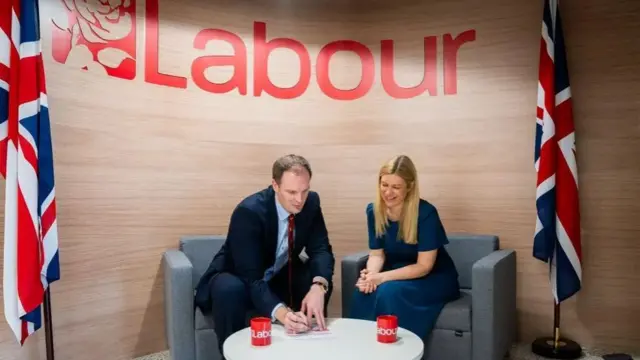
(140,164)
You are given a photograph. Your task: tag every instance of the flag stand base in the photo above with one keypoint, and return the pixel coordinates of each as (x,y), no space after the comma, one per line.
(566,349)
(555,347)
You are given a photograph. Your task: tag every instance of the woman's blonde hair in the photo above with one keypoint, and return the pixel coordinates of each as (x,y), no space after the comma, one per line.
(408,223)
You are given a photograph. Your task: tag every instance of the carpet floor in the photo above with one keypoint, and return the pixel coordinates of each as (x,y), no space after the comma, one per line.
(519,352)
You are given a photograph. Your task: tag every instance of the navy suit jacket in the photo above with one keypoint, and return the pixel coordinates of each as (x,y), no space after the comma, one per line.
(250,248)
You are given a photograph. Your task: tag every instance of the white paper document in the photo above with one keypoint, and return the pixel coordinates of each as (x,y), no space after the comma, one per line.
(314,333)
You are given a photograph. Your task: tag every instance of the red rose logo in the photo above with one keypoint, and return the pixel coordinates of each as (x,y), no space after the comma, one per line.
(96,35)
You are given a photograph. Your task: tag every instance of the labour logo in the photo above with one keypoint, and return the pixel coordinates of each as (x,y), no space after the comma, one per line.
(260,334)
(97,36)
(387,332)
(100,36)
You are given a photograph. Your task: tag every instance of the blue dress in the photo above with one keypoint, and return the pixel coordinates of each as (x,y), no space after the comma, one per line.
(416,302)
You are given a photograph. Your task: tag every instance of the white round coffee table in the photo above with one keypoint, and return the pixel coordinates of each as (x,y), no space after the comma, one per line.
(350,339)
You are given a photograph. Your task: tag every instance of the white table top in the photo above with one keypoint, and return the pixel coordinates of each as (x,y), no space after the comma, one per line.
(350,339)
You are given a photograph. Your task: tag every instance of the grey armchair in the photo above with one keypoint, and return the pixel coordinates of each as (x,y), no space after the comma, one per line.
(190,334)
(481,324)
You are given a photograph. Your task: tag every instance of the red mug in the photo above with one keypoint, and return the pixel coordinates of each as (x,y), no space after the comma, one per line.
(387,329)
(260,331)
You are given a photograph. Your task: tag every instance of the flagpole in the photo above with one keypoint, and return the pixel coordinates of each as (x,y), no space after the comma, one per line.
(556,324)
(48,328)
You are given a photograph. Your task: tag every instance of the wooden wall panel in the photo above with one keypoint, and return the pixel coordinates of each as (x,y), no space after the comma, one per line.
(140,164)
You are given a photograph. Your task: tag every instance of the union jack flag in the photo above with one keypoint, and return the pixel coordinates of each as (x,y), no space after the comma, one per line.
(557,237)
(26,163)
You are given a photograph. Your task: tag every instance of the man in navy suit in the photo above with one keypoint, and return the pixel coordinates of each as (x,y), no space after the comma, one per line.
(257,271)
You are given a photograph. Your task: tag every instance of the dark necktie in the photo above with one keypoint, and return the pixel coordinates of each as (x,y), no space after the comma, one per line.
(291,226)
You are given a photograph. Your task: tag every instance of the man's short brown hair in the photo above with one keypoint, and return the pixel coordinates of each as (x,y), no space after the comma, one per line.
(291,162)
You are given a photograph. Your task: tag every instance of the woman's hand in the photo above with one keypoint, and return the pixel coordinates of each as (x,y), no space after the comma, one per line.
(363,273)
(374,278)
(365,286)
(368,281)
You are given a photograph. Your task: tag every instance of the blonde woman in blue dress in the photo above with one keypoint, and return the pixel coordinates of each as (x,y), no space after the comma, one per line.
(409,272)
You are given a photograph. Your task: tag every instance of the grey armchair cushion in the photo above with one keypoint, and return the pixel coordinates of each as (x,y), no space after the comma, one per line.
(200,250)
(466,249)
(456,315)
(202,321)
(205,322)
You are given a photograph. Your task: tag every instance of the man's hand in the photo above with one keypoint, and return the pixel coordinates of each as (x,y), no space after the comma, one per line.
(293,322)
(296,322)
(313,305)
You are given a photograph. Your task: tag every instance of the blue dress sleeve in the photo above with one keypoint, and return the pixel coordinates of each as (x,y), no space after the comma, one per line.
(374,242)
(431,234)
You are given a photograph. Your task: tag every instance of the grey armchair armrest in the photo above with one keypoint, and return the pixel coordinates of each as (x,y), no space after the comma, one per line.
(493,279)
(351,266)
(178,306)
